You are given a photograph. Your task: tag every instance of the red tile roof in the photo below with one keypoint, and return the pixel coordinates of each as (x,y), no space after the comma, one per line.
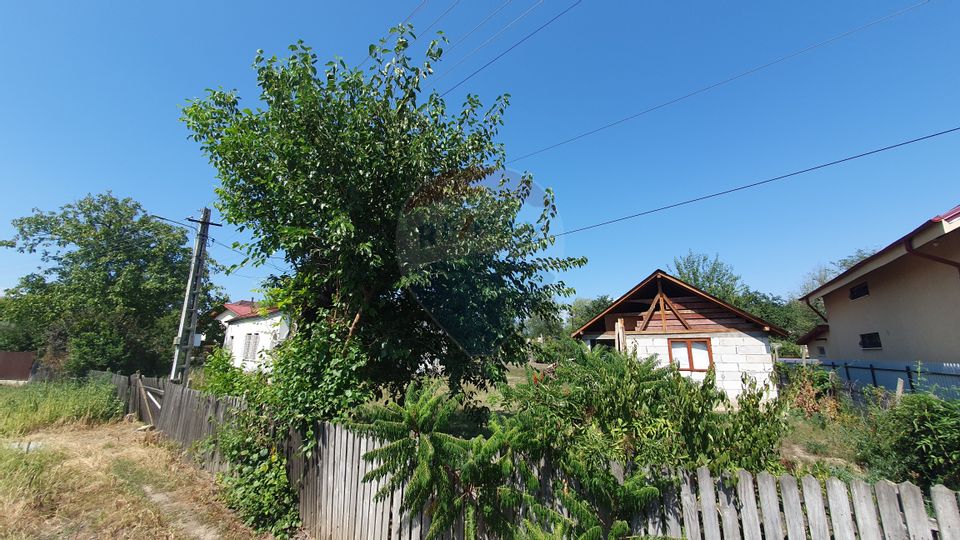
(245,309)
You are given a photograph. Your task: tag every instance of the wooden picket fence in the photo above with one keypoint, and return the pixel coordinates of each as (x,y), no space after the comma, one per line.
(336,504)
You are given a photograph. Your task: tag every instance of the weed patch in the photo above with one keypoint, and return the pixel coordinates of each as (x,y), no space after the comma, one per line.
(27,408)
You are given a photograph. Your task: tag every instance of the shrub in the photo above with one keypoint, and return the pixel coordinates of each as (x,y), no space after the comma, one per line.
(222,378)
(917,439)
(811,389)
(594,409)
(37,405)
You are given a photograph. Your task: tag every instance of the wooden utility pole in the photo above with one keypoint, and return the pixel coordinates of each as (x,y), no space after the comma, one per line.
(186,335)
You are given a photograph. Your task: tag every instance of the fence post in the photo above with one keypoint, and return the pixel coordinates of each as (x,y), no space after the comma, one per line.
(873,374)
(846,369)
(910,377)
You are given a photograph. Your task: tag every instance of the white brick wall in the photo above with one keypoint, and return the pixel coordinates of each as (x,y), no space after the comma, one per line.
(734,353)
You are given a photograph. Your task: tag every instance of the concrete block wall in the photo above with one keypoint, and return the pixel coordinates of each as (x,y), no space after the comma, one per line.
(734,353)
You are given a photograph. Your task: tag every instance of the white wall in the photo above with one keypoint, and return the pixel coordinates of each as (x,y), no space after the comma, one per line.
(734,353)
(271,330)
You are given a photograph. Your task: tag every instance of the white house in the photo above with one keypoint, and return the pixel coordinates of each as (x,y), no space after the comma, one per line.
(684,326)
(250,330)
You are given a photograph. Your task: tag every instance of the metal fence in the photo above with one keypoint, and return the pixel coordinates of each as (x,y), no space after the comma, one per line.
(940,378)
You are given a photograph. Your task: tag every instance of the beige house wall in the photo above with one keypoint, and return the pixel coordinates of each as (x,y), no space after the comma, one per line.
(734,354)
(914,304)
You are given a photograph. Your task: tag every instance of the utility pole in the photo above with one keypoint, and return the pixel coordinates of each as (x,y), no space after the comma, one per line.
(186,335)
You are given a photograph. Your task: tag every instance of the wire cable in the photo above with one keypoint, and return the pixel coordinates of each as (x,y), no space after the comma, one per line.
(405,20)
(728,80)
(442,15)
(514,46)
(762,182)
(487,41)
(477,27)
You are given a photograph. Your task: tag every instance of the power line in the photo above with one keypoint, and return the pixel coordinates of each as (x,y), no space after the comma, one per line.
(724,81)
(477,27)
(762,182)
(442,15)
(514,46)
(405,20)
(415,10)
(488,40)
(215,241)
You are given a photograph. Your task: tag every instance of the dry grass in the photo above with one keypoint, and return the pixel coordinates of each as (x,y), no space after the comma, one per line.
(108,481)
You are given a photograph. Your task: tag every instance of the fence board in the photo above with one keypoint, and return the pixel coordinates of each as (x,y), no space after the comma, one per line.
(813,502)
(748,507)
(688,501)
(840,514)
(792,508)
(729,520)
(948,516)
(708,504)
(888,502)
(865,511)
(671,512)
(770,506)
(918,524)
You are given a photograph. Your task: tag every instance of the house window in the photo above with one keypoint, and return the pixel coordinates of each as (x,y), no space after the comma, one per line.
(690,354)
(821,350)
(860,290)
(870,341)
(250,344)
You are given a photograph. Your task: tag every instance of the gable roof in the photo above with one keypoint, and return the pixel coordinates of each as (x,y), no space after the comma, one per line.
(245,309)
(813,334)
(661,275)
(928,231)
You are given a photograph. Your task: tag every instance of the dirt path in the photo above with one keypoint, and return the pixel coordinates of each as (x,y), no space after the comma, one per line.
(109,481)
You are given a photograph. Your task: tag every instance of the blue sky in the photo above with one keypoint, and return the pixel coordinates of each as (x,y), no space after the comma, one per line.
(91,95)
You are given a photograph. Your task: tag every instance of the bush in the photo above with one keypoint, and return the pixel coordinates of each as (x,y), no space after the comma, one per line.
(221,378)
(38,405)
(811,389)
(917,439)
(586,412)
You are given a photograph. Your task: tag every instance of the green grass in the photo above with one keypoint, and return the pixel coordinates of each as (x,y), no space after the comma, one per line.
(33,406)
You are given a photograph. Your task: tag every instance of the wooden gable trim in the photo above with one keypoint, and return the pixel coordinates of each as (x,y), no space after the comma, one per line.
(676,313)
(660,274)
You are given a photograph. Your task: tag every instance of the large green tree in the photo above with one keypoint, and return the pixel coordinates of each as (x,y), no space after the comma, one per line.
(581,310)
(407,249)
(108,292)
(721,280)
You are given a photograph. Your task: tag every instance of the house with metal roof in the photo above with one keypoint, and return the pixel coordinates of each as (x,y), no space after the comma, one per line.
(898,307)
(250,330)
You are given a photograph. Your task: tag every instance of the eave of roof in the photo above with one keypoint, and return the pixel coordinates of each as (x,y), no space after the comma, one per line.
(949,217)
(817,331)
(663,275)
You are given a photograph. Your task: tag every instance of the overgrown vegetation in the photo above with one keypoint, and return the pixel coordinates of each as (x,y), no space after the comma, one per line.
(33,406)
(403,230)
(256,485)
(595,409)
(916,439)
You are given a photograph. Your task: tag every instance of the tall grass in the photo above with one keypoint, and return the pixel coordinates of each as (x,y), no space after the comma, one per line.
(34,406)
(33,478)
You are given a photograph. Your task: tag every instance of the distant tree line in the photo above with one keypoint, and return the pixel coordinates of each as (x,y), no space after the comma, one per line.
(718,278)
(108,290)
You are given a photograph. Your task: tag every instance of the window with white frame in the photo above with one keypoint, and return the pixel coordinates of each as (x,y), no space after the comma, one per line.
(250,344)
